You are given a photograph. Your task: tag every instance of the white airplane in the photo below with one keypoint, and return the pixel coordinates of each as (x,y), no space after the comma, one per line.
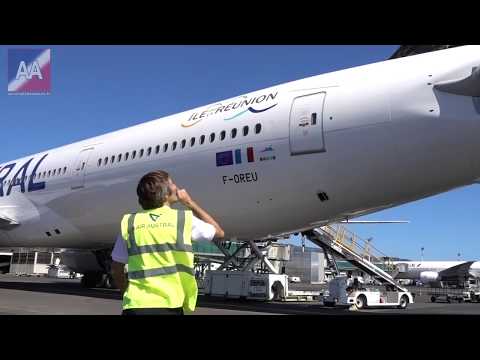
(266,164)
(432,272)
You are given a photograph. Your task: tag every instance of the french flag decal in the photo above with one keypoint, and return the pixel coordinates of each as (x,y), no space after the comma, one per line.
(29,71)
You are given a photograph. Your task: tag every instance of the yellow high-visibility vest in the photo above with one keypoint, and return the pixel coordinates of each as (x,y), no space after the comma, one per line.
(160,259)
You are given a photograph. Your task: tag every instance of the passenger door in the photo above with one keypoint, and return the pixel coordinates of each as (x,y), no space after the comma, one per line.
(80,168)
(306,124)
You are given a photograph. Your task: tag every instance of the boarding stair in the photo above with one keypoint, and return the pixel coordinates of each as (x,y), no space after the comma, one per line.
(340,242)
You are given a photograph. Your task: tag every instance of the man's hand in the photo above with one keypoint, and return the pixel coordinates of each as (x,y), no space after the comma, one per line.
(184,198)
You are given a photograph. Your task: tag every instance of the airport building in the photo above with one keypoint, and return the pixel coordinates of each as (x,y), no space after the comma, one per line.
(31,262)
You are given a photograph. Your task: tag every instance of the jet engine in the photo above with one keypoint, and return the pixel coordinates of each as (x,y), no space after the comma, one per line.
(428,276)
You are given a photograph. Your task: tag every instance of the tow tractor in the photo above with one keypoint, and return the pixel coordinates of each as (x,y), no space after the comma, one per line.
(472,295)
(342,293)
(472,290)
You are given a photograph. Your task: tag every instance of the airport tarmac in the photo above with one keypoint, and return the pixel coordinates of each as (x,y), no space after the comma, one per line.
(47,296)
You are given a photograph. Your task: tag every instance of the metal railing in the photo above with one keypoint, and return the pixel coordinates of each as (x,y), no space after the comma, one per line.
(362,248)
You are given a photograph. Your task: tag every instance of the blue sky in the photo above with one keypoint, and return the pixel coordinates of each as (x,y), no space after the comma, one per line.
(97,89)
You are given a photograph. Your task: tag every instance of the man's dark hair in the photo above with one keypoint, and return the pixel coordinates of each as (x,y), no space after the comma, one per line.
(153,189)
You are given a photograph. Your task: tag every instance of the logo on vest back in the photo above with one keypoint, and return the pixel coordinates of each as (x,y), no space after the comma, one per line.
(154,217)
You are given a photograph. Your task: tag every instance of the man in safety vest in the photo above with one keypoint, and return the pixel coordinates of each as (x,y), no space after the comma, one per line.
(156,243)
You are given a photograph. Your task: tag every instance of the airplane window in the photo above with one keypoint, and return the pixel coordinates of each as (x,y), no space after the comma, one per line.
(105,161)
(212,137)
(99,162)
(44,174)
(134,153)
(258,128)
(202,139)
(126,156)
(119,158)
(141,153)
(165,148)
(183,143)
(49,171)
(222,135)
(245,130)
(112,159)
(64,169)
(149,151)
(59,171)
(83,166)
(157,149)
(192,141)
(234,133)
(174,145)
(54,172)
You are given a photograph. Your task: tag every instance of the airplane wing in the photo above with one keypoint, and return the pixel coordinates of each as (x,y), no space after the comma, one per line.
(468,86)
(312,226)
(461,270)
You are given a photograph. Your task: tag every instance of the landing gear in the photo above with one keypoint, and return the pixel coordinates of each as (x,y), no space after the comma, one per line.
(100,279)
(97,279)
(91,279)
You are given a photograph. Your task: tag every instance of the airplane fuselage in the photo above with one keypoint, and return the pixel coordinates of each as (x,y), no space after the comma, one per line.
(321,149)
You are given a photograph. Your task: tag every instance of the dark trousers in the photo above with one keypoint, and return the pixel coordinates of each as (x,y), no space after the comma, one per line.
(153,311)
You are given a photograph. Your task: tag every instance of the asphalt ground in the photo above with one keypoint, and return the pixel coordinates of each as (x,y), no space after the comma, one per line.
(47,296)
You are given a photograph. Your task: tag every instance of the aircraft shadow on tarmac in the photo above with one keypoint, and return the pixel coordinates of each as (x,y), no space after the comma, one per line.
(305,308)
(70,288)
